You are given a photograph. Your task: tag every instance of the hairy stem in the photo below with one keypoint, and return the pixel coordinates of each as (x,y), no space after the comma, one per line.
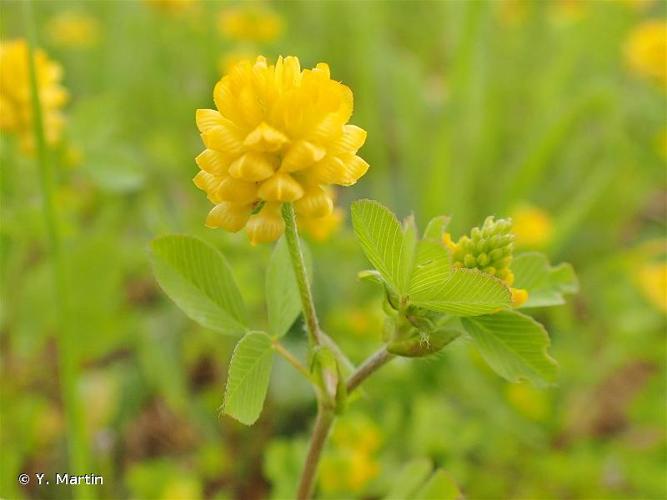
(67,362)
(299,266)
(325,418)
(291,359)
(373,363)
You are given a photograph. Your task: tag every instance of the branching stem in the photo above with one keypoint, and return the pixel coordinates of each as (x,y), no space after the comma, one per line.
(291,359)
(373,363)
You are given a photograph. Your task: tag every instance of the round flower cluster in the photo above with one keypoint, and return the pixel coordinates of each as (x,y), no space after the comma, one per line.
(280,135)
(16,99)
(488,249)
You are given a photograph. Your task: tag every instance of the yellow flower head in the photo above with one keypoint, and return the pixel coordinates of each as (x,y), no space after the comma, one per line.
(532,226)
(646,50)
(15,97)
(279,135)
(73,29)
(250,23)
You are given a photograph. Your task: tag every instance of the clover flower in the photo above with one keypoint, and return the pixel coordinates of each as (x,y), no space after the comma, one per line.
(250,24)
(489,249)
(16,111)
(531,226)
(280,135)
(73,29)
(646,50)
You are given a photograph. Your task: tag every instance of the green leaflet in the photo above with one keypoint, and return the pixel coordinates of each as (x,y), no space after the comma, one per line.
(248,379)
(545,284)
(467,292)
(387,245)
(198,279)
(514,345)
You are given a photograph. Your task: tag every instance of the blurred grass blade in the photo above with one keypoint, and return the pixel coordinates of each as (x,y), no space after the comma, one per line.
(198,279)
(79,454)
(248,380)
(514,345)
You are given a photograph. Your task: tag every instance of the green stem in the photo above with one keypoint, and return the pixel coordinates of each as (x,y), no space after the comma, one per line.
(291,359)
(299,266)
(373,363)
(323,422)
(78,452)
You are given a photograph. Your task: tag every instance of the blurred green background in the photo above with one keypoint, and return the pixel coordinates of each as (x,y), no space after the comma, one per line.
(514,108)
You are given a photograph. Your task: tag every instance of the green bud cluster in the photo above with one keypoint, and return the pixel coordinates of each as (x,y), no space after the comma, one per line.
(488,249)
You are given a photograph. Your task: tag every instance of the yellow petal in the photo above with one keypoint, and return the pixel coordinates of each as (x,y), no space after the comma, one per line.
(300,155)
(265,138)
(205,181)
(519,296)
(224,138)
(229,216)
(281,187)
(253,167)
(237,191)
(212,162)
(209,184)
(344,170)
(266,226)
(314,203)
(352,139)
(207,119)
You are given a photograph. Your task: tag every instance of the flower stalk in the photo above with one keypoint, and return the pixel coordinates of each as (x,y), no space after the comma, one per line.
(299,266)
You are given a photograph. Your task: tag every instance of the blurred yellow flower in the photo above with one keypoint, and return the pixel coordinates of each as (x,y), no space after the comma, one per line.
(172,6)
(530,402)
(280,135)
(568,11)
(351,464)
(532,226)
(652,279)
(15,97)
(514,12)
(73,29)
(322,228)
(662,143)
(646,50)
(250,23)
(227,61)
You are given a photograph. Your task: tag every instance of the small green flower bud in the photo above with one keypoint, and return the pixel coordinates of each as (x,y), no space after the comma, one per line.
(488,248)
